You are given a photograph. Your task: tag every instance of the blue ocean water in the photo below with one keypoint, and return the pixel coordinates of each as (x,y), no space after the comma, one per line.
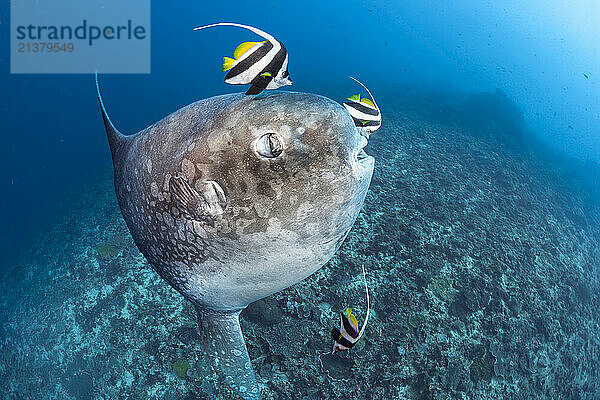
(539,54)
(480,230)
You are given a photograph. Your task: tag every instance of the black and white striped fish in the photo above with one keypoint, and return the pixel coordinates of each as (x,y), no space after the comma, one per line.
(365,112)
(346,337)
(262,64)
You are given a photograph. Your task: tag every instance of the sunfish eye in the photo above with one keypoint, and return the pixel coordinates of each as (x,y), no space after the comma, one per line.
(269,145)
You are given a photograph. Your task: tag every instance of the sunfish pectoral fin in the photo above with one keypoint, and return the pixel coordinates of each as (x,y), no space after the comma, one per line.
(116,140)
(224,343)
(204,204)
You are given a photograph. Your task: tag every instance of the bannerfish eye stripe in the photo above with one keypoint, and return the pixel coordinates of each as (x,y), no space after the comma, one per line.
(276,62)
(262,81)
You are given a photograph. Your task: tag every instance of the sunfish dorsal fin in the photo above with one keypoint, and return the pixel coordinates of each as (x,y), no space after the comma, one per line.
(116,140)
(223,341)
(204,205)
(242,48)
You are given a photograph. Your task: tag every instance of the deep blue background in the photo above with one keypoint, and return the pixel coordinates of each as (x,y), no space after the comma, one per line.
(52,139)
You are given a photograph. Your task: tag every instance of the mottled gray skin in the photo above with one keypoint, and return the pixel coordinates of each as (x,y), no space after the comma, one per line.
(283,219)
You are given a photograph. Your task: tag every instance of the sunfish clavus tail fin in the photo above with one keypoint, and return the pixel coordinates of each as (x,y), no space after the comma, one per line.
(116,140)
(224,343)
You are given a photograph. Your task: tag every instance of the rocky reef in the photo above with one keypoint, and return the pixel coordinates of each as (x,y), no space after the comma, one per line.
(482,259)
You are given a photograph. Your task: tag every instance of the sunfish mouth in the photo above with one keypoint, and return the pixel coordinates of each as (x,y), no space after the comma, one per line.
(361,155)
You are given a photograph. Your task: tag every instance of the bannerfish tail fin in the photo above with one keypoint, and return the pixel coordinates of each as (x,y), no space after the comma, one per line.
(225,345)
(116,140)
(362,330)
(227,63)
(250,28)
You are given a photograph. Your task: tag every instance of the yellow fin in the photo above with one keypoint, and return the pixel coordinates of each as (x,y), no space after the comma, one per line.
(266,74)
(227,63)
(352,318)
(242,48)
(368,102)
(356,97)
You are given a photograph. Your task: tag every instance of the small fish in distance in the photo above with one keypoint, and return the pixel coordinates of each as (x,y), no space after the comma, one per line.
(262,64)
(346,337)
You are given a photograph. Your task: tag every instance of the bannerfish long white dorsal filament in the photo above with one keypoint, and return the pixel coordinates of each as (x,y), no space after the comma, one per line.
(348,335)
(264,65)
(362,330)
(233,198)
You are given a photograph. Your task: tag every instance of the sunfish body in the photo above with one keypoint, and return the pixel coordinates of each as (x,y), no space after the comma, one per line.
(233,198)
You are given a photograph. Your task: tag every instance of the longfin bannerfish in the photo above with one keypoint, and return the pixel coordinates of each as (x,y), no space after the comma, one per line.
(348,334)
(364,111)
(238,53)
(264,64)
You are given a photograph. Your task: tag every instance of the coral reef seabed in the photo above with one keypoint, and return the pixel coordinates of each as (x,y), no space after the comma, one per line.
(482,260)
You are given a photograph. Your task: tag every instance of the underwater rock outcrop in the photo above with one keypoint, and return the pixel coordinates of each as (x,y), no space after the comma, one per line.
(486,110)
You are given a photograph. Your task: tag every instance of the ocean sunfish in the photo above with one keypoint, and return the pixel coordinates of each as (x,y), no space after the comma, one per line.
(234,197)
